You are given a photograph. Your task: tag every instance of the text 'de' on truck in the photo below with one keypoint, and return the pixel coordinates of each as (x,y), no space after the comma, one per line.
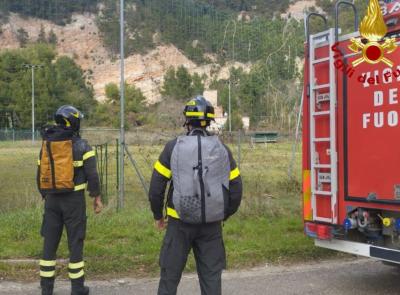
(351,133)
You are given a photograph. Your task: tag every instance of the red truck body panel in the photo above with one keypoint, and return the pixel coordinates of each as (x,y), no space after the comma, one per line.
(363,216)
(368,134)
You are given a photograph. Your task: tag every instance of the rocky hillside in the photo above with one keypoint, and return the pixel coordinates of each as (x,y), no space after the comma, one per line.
(81,41)
(296,10)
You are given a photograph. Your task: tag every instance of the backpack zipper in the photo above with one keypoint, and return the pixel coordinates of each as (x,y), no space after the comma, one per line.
(200,165)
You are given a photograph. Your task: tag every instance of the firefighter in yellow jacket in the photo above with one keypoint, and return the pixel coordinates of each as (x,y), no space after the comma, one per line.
(66,167)
(205,189)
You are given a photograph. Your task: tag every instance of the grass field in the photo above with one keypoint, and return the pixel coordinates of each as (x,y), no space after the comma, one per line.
(267,229)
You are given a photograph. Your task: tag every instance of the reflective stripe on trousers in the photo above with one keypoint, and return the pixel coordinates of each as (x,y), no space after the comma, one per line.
(47,268)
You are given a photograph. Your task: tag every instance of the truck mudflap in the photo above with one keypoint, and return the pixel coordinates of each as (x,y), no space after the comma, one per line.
(361,249)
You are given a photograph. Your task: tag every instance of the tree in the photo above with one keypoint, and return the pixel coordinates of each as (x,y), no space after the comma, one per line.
(198,84)
(184,83)
(112,93)
(42,35)
(134,106)
(169,87)
(181,85)
(59,11)
(134,99)
(236,121)
(59,82)
(52,39)
(22,37)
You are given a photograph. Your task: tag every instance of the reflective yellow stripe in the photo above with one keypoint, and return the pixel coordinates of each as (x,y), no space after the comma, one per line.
(76,265)
(194,114)
(76,275)
(47,263)
(47,274)
(78,163)
(38,162)
(234,174)
(89,155)
(76,115)
(210,115)
(80,187)
(172,212)
(164,171)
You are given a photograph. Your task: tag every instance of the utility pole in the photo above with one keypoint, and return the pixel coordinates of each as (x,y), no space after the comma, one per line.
(233,60)
(33,67)
(121,185)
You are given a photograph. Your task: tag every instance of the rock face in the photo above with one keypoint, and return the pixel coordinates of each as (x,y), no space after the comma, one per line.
(81,41)
(296,10)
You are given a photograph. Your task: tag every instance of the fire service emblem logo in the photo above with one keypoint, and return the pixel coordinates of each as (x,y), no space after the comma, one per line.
(372,46)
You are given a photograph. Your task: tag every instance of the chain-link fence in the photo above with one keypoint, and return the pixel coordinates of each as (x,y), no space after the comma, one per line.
(264,167)
(18,162)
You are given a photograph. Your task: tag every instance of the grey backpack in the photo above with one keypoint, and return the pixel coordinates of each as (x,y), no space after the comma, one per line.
(200,174)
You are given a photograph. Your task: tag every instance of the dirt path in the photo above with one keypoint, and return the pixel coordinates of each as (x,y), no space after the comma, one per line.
(358,276)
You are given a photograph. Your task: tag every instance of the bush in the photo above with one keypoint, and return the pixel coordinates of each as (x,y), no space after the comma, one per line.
(181,85)
(106,113)
(237,123)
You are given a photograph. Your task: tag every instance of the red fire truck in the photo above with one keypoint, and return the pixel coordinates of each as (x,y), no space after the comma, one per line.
(351,143)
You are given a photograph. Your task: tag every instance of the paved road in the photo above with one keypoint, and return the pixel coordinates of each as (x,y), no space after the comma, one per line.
(358,276)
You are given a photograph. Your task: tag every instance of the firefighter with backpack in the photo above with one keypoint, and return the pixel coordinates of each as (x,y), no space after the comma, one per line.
(205,189)
(66,167)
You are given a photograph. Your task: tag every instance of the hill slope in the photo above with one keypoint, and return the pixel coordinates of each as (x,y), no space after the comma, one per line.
(81,41)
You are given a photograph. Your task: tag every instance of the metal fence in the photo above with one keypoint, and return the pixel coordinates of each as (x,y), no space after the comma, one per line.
(260,164)
(17,135)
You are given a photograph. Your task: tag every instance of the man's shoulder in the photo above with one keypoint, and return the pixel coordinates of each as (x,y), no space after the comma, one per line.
(80,144)
(169,147)
(225,146)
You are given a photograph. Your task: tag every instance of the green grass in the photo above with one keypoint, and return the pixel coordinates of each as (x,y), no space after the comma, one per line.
(127,243)
(267,229)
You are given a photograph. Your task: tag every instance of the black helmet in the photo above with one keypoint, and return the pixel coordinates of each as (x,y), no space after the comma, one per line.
(69,116)
(199,112)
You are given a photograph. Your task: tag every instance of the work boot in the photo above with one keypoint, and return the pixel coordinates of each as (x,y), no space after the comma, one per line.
(47,285)
(78,287)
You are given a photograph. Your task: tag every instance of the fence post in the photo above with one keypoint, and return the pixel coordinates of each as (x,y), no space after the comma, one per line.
(239,147)
(117,162)
(102,170)
(106,190)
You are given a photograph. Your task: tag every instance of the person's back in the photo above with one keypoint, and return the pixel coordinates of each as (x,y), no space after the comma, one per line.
(66,167)
(206,189)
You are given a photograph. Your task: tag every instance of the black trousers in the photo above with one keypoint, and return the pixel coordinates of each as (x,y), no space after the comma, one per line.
(67,210)
(208,249)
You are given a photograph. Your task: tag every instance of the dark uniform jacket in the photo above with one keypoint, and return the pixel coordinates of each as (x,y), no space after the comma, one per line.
(85,170)
(162,174)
